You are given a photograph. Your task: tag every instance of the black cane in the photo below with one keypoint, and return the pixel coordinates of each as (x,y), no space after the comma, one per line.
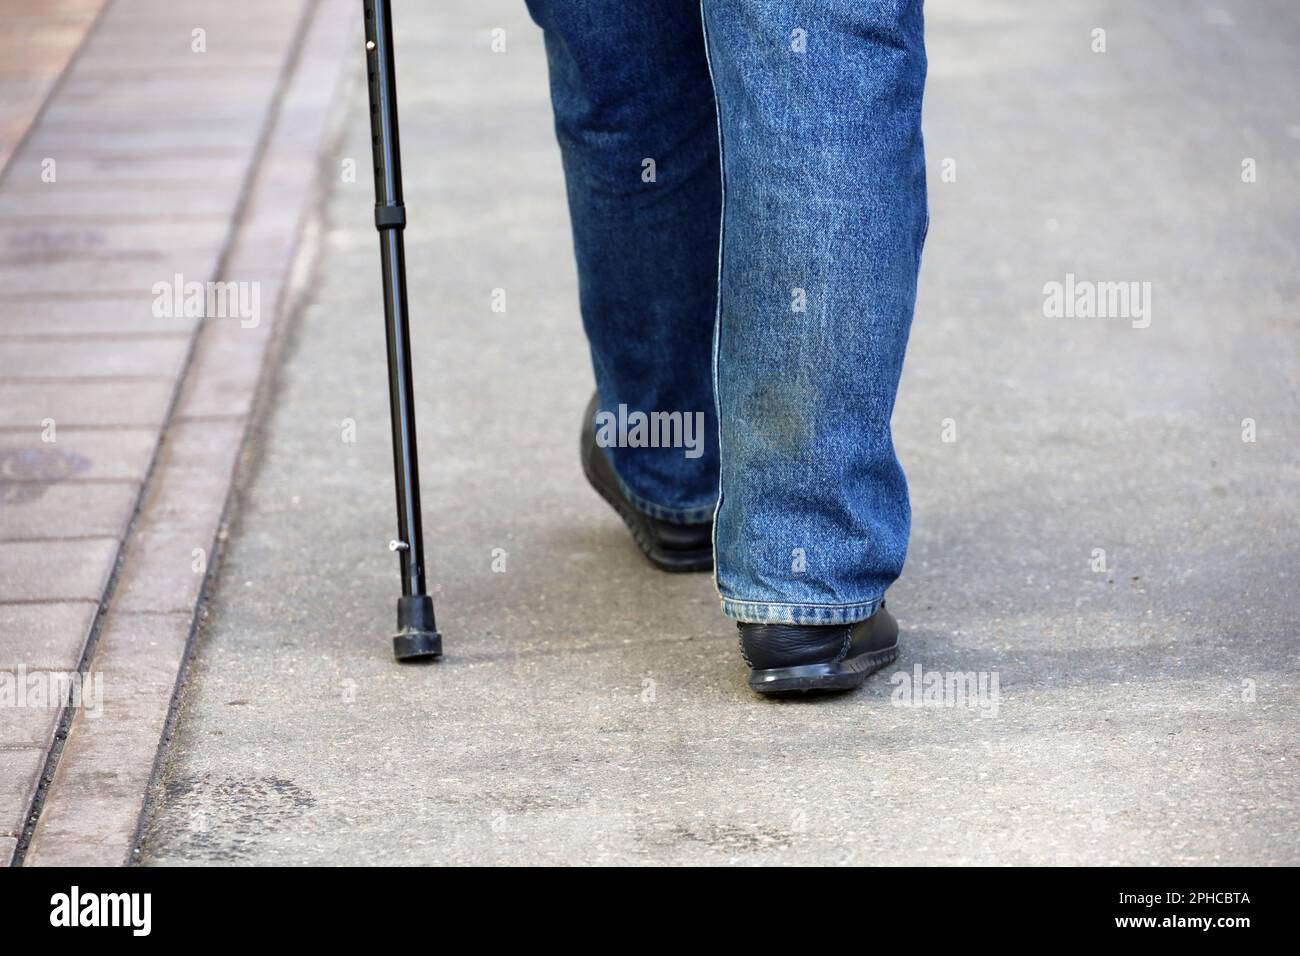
(417,635)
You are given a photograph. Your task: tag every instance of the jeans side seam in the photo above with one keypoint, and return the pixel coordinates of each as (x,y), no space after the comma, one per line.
(717,312)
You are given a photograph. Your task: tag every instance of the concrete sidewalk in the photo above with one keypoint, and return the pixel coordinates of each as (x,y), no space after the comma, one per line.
(1090,526)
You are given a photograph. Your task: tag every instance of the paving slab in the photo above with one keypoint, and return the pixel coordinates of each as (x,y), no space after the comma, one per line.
(61,509)
(55,570)
(34,405)
(126,239)
(29,723)
(19,768)
(143,357)
(45,636)
(120,454)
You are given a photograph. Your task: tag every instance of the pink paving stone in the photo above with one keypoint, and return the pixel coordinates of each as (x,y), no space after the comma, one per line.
(117,114)
(70,319)
(227,366)
(129,358)
(67,509)
(182,513)
(19,769)
(111,201)
(26,404)
(41,696)
(63,238)
(83,142)
(126,272)
(56,570)
(44,636)
(184,86)
(81,171)
(121,454)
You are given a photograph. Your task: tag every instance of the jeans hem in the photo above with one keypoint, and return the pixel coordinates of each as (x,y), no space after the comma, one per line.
(699,515)
(760,612)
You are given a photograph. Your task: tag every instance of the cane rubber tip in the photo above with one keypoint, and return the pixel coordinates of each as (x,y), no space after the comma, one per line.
(417,637)
(417,646)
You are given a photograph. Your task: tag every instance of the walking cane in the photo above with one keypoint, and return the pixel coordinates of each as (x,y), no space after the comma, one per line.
(417,635)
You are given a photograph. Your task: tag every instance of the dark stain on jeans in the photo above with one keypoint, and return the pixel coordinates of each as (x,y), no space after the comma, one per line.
(781,414)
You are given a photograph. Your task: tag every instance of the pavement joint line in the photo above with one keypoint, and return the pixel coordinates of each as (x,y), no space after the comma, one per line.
(98,294)
(210,419)
(153,611)
(85,427)
(116,217)
(56,338)
(38,601)
(89,294)
(284,308)
(47,600)
(85,379)
(63,539)
(71,481)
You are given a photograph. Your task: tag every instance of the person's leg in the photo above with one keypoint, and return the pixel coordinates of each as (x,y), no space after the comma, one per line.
(636,125)
(824,218)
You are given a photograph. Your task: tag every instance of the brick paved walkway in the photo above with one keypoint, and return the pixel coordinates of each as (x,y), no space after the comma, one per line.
(36,44)
(151,140)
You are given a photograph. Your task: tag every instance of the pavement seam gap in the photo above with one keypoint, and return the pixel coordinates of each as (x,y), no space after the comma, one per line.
(210,419)
(68,539)
(81,428)
(116,218)
(55,88)
(46,777)
(154,612)
(86,379)
(67,481)
(58,338)
(23,602)
(40,298)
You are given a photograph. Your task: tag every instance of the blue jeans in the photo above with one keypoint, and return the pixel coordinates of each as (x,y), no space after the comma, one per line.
(746,183)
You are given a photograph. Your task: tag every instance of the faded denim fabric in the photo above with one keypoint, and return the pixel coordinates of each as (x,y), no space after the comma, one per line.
(746,182)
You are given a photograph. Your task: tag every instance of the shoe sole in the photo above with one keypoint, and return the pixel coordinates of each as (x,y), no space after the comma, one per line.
(676,563)
(814,678)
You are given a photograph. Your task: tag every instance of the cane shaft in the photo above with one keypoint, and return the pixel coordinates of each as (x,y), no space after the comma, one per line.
(390,219)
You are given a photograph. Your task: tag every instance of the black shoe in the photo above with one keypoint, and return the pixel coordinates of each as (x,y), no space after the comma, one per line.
(672,547)
(791,658)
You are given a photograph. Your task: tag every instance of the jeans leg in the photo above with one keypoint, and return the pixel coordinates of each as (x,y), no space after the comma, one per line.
(824,218)
(636,124)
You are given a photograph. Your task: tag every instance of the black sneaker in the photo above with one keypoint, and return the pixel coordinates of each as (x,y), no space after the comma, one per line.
(792,658)
(671,547)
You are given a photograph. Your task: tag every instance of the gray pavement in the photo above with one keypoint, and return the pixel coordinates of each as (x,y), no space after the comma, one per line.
(592,710)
